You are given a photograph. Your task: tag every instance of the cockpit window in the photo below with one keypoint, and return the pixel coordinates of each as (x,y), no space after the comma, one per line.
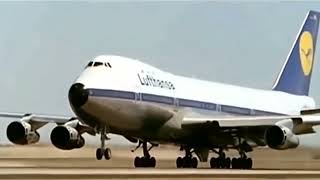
(98,64)
(95,64)
(90,64)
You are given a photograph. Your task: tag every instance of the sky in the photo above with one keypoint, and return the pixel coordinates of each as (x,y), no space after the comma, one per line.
(44,46)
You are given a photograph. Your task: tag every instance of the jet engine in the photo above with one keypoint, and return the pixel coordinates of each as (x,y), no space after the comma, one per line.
(66,137)
(20,132)
(281,138)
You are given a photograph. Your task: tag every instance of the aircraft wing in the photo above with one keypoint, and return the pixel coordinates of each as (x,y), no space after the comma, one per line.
(37,117)
(235,121)
(299,123)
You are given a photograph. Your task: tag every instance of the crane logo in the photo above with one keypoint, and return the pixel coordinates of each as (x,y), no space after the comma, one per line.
(306,52)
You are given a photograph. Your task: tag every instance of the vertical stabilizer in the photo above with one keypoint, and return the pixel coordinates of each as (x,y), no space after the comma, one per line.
(296,73)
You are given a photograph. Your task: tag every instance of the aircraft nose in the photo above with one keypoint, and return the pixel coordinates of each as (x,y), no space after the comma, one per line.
(78,95)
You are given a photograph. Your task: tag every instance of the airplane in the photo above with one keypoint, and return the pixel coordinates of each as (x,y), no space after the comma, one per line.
(148,106)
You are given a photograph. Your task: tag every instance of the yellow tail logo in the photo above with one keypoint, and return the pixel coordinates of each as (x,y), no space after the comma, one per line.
(306,52)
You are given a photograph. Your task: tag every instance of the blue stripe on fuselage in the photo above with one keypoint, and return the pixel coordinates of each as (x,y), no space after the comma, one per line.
(146,97)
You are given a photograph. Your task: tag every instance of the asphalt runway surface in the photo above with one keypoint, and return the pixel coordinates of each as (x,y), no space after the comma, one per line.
(47,162)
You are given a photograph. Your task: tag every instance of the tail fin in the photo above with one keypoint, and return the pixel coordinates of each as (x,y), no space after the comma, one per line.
(295,75)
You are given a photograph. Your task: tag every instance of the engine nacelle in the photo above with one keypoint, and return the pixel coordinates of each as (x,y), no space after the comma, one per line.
(281,138)
(66,138)
(20,132)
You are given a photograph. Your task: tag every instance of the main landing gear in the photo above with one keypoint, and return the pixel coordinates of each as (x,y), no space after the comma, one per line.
(226,163)
(188,161)
(102,151)
(221,161)
(146,160)
(242,163)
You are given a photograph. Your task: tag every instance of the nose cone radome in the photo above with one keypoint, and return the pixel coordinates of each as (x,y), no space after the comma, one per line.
(78,95)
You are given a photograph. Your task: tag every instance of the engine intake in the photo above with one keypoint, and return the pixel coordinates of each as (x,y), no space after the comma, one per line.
(281,138)
(20,132)
(66,138)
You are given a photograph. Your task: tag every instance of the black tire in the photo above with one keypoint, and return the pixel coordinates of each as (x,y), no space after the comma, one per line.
(249,163)
(213,162)
(152,162)
(186,162)
(137,162)
(107,154)
(194,162)
(144,162)
(234,163)
(242,163)
(227,163)
(219,162)
(99,154)
(179,162)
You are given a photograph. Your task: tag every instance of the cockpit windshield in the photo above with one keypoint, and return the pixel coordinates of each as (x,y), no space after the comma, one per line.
(89,64)
(98,64)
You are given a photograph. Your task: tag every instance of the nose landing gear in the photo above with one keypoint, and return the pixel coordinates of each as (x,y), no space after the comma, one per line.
(102,151)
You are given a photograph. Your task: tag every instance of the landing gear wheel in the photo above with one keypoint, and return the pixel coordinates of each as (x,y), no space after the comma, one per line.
(248,163)
(235,163)
(187,162)
(152,162)
(107,154)
(213,162)
(144,162)
(194,162)
(99,154)
(241,163)
(220,162)
(227,163)
(179,162)
(137,162)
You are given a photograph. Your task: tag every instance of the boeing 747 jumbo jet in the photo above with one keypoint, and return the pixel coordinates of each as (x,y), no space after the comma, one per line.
(149,106)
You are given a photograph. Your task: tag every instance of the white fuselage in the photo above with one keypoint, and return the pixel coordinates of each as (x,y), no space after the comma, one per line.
(128,94)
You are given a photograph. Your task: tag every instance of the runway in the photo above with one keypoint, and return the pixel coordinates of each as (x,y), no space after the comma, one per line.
(46,162)
(81,173)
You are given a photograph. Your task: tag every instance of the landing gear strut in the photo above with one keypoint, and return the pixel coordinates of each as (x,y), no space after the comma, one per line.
(102,151)
(146,160)
(188,161)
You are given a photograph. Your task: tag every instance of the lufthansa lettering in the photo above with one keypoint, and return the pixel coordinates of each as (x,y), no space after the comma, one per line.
(149,80)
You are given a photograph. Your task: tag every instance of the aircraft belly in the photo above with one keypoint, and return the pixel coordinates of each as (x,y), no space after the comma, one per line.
(116,113)
(126,117)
